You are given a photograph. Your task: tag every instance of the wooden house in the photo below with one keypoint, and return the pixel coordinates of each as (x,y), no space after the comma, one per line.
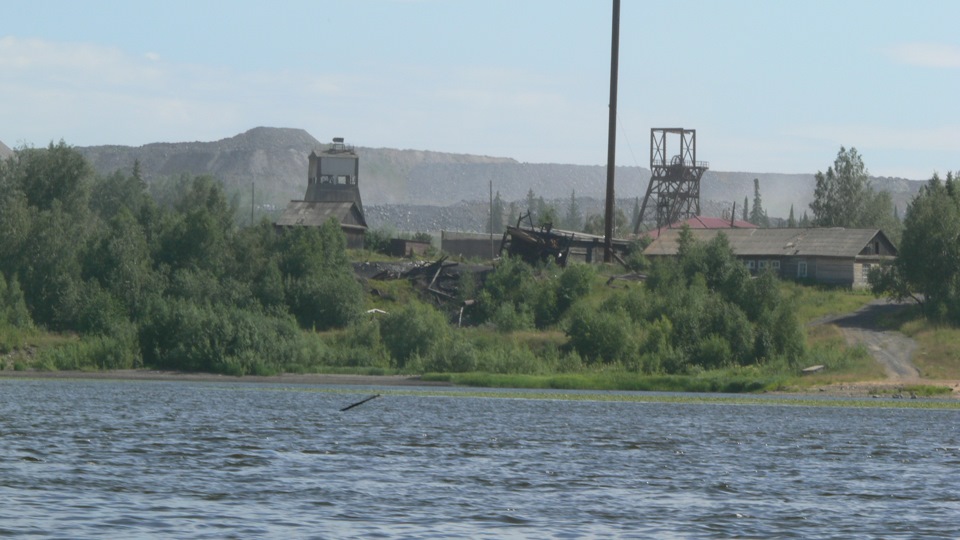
(834,256)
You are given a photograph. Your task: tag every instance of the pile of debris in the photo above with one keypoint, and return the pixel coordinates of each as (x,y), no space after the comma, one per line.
(440,278)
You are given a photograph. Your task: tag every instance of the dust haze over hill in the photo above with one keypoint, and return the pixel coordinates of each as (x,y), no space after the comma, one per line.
(275,161)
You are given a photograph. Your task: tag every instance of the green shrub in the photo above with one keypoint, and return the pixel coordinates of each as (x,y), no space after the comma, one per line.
(378,239)
(360,345)
(452,355)
(13,307)
(512,281)
(93,353)
(508,318)
(324,301)
(575,282)
(178,334)
(712,352)
(600,335)
(508,356)
(414,329)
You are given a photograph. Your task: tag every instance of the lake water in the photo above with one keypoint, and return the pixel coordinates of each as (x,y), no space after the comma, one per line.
(107,459)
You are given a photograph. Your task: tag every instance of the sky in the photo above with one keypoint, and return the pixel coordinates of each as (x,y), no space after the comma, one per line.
(769,86)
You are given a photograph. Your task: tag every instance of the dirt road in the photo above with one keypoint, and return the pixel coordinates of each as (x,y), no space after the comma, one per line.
(891,349)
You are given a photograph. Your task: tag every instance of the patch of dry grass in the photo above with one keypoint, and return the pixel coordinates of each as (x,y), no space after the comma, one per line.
(938,349)
(817,302)
(842,363)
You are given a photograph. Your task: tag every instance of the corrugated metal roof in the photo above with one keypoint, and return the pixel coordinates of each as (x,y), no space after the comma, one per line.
(316,213)
(833,242)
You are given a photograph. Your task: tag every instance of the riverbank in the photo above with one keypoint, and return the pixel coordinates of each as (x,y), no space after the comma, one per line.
(862,389)
(287,378)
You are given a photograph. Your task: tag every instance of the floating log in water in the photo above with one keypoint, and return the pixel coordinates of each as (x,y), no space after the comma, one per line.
(361,402)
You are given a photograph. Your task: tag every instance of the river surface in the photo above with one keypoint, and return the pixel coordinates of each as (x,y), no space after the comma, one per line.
(138,459)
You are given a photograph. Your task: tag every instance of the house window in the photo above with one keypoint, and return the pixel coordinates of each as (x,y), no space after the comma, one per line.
(775,265)
(802,269)
(763,265)
(865,270)
(751,265)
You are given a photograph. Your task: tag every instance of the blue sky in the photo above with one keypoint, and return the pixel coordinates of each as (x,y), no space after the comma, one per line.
(770,86)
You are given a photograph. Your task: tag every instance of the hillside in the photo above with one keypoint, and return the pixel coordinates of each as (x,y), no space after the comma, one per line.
(5,151)
(275,160)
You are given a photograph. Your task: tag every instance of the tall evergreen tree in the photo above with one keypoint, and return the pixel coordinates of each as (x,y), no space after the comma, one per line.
(791,221)
(573,220)
(758,216)
(746,209)
(495,222)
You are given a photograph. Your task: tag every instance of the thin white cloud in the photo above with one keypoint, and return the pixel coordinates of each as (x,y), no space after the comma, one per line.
(934,55)
(940,138)
(91,94)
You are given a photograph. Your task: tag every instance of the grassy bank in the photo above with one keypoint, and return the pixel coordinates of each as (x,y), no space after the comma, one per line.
(626,381)
(535,359)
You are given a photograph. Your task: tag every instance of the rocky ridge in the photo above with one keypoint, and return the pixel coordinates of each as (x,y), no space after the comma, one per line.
(274,160)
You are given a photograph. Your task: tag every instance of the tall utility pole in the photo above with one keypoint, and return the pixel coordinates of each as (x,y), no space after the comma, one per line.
(612,136)
(492,252)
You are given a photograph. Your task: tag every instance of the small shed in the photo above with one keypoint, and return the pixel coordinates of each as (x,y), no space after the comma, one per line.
(480,246)
(402,247)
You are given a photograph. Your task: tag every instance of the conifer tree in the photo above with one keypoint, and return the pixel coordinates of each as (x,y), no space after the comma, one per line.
(495,224)
(573,220)
(757,215)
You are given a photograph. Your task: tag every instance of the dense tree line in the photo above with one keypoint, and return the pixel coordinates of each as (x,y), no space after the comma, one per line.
(167,281)
(928,264)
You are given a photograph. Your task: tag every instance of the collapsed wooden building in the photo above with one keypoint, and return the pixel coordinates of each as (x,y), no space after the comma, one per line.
(539,244)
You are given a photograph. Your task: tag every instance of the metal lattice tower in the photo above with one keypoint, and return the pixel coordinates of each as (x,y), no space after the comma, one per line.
(674,189)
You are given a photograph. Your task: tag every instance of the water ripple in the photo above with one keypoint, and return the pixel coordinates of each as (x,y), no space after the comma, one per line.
(88,459)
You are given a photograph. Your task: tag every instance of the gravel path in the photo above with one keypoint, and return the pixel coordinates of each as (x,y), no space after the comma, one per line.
(890,348)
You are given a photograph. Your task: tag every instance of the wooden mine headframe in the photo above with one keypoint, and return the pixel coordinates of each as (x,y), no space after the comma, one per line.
(674,189)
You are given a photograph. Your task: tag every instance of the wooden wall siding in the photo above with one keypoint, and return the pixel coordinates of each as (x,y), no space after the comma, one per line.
(879,246)
(834,271)
(400,247)
(354,239)
(470,247)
